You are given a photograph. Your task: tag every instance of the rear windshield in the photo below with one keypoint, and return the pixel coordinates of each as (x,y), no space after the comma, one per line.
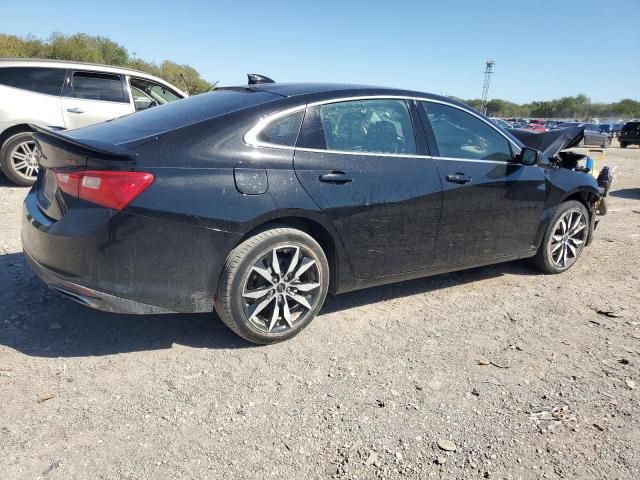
(631,127)
(174,115)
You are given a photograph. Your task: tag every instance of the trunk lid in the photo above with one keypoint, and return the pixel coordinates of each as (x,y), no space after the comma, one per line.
(61,153)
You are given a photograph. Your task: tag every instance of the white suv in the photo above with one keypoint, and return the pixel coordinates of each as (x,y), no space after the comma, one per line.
(65,95)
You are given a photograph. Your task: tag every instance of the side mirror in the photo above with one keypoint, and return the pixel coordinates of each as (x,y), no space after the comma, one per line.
(528,156)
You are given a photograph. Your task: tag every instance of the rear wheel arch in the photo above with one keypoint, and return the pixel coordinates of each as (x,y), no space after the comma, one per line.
(320,233)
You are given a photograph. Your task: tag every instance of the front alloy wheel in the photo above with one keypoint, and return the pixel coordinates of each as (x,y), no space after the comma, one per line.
(568,238)
(564,239)
(273,285)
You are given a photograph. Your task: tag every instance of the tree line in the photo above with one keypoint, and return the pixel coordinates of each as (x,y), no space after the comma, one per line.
(96,49)
(578,107)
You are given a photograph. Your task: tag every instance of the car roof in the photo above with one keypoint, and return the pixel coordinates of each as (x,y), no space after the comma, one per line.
(309,89)
(96,67)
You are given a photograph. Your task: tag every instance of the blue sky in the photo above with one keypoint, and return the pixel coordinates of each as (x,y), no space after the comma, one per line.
(543,49)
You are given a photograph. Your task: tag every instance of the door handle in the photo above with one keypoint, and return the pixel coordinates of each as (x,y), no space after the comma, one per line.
(460,178)
(339,178)
(75,110)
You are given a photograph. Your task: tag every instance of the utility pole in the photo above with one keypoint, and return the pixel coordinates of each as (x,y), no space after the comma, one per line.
(488,70)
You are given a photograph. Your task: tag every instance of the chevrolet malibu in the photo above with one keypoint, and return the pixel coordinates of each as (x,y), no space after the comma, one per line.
(256,201)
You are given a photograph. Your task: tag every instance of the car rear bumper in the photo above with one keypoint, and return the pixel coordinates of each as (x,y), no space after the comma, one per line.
(90,297)
(634,140)
(124,262)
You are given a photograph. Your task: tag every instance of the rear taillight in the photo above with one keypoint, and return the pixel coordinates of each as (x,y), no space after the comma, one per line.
(111,189)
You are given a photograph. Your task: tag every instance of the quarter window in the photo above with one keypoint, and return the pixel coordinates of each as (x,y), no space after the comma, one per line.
(40,80)
(461,135)
(368,126)
(283,130)
(97,86)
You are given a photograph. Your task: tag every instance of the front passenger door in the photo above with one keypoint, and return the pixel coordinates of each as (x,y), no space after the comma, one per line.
(492,205)
(360,162)
(93,97)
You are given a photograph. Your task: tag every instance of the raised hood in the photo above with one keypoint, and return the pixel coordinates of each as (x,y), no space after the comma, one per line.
(552,142)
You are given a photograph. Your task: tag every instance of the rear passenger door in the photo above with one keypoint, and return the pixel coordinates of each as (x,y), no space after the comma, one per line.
(362,164)
(492,205)
(93,97)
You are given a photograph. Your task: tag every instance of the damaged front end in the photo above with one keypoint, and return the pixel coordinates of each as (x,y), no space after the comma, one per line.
(554,146)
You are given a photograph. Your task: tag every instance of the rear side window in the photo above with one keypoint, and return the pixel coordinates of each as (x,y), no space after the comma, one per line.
(461,135)
(97,86)
(41,80)
(283,130)
(367,126)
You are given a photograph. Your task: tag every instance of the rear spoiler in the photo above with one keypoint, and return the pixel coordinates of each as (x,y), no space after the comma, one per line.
(92,146)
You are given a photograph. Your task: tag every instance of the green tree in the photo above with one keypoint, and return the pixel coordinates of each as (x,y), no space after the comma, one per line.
(81,47)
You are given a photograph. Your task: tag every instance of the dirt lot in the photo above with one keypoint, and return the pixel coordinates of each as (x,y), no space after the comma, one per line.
(530,376)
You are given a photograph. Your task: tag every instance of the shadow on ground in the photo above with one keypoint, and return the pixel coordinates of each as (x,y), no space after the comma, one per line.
(39,322)
(632,193)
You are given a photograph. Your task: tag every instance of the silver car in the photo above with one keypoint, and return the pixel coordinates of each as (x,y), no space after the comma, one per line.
(65,95)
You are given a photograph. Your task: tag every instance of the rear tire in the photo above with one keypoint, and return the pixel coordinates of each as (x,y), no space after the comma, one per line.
(623,145)
(581,144)
(561,246)
(606,143)
(18,159)
(273,285)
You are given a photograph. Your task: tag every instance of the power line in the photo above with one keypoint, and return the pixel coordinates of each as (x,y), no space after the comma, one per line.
(488,70)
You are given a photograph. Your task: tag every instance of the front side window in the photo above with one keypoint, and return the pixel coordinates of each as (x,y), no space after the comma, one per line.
(97,86)
(283,130)
(461,135)
(367,126)
(35,79)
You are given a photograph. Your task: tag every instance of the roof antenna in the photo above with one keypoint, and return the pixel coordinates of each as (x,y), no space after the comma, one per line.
(185,83)
(255,79)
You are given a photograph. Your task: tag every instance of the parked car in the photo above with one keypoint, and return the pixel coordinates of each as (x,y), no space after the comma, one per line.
(630,134)
(592,134)
(500,123)
(257,200)
(537,125)
(65,95)
(611,129)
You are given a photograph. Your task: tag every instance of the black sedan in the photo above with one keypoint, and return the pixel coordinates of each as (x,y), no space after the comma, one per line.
(256,201)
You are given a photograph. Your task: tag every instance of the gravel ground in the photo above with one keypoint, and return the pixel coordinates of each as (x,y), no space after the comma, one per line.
(496,372)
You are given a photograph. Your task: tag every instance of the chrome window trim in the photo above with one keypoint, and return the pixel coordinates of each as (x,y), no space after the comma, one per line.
(251,137)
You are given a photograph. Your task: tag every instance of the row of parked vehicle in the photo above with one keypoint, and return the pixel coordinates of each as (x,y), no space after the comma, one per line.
(594,134)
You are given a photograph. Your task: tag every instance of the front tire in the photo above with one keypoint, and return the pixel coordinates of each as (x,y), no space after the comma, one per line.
(273,285)
(19,159)
(564,239)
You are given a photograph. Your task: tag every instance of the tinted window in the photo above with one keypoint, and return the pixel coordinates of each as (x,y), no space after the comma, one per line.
(41,80)
(174,115)
(97,86)
(149,94)
(283,131)
(461,135)
(372,126)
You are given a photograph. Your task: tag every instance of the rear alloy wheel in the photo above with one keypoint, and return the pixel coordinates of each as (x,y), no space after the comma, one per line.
(273,285)
(19,159)
(564,239)
(606,143)
(581,144)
